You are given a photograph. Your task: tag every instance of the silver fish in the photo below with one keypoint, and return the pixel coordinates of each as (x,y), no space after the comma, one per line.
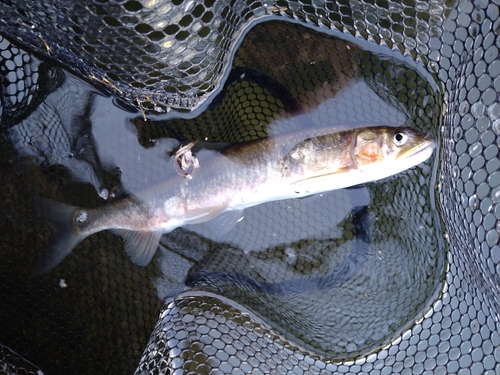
(242,175)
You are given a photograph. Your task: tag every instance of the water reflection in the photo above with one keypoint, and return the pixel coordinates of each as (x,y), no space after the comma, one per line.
(58,132)
(335,276)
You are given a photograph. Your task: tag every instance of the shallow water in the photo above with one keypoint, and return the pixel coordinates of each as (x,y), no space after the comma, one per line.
(340,274)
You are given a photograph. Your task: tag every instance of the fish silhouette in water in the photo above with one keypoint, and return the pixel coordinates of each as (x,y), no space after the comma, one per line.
(240,176)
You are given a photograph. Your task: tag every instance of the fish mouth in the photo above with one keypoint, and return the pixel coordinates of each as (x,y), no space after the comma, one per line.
(427,144)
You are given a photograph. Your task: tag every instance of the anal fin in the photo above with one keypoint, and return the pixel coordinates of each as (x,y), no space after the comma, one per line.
(140,245)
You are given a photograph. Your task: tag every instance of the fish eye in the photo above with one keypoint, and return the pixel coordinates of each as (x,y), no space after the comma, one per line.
(400,139)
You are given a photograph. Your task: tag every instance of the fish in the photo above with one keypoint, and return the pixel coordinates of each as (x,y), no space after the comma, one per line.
(241,175)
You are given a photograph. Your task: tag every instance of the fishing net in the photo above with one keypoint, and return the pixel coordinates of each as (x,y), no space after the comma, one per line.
(405,280)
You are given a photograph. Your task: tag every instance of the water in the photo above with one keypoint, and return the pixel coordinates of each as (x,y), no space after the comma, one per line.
(340,274)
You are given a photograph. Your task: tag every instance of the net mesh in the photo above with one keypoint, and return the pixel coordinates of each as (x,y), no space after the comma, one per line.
(226,317)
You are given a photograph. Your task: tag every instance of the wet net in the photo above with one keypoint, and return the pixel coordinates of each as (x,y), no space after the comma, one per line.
(405,280)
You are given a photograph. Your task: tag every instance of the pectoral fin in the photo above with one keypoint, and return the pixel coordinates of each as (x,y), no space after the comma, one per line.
(140,245)
(309,185)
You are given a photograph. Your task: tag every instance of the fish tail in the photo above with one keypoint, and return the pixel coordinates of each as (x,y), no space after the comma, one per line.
(66,237)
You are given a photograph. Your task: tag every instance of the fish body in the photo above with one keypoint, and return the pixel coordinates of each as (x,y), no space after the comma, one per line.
(240,176)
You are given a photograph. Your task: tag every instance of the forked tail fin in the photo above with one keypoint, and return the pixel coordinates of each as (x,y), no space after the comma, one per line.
(72,224)
(66,237)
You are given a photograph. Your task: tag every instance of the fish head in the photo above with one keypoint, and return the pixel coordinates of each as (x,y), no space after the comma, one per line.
(397,147)
(406,144)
